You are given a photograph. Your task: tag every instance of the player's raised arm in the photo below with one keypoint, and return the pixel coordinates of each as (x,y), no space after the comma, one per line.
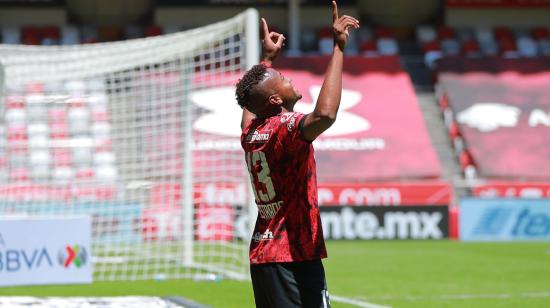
(272,43)
(326,108)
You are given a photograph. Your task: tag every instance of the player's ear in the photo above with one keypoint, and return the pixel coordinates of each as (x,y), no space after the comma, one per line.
(275,99)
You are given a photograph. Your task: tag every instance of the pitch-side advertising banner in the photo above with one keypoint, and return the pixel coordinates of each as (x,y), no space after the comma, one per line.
(504,220)
(503,189)
(48,250)
(504,118)
(379,133)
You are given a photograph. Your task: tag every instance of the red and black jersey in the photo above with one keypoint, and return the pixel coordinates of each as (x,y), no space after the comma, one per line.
(283,176)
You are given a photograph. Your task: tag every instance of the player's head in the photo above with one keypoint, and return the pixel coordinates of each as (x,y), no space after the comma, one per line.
(264,91)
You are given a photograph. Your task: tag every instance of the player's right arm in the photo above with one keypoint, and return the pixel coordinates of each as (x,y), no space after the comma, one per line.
(328,102)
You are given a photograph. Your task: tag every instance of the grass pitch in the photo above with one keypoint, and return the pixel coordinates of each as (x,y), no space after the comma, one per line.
(378,273)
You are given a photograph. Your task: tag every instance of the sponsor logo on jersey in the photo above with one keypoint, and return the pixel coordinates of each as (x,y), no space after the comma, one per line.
(267,235)
(258,136)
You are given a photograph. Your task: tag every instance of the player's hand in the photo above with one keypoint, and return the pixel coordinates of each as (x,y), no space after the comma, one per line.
(340,27)
(272,42)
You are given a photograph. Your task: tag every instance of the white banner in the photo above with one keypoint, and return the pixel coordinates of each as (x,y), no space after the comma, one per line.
(45,250)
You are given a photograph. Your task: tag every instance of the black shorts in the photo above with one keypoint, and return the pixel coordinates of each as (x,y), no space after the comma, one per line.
(287,285)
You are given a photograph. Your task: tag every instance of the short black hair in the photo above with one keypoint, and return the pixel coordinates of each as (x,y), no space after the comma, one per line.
(249,81)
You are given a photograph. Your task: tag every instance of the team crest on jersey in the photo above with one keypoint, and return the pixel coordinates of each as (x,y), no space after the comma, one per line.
(290,120)
(258,136)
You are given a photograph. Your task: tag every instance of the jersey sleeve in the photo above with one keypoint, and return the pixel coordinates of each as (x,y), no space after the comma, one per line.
(290,129)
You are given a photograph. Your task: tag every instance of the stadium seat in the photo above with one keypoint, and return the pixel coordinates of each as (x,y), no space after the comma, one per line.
(79,120)
(106,173)
(51,35)
(383,33)
(11,35)
(503,33)
(325,42)
(308,40)
(444,33)
(387,46)
(19,175)
(368,49)
(450,47)
(101,130)
(62,174)
(540,33)
(62,157)
(16,116)
(465,34)
(85,173)
(37,129)
(39,142)
(89,34)
(153,30)
(168,29)
(508,48)
(104,158)
(527,47)
(40,173)
(425,34)
(133,31)
(471,49)
(70,35)
(82,156)
(40,158)
(31,35)
(75,87)
(544,47)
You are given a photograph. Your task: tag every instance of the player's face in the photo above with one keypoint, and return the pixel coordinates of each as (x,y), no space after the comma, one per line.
(284,87)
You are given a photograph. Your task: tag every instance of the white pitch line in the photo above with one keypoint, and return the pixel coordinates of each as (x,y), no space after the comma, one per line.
(465,296)
(355,302)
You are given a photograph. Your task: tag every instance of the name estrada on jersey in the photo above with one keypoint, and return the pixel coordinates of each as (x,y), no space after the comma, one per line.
(283,176)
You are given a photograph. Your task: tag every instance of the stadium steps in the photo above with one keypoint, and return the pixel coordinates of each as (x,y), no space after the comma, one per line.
(421,76)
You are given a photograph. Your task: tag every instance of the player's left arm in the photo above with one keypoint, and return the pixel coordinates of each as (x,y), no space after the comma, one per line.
(272,43)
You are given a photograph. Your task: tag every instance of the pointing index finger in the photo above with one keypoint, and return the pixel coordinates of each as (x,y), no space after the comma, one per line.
(265,30)
(334,11)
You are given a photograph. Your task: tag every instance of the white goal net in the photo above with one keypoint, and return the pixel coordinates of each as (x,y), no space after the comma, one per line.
(116,131)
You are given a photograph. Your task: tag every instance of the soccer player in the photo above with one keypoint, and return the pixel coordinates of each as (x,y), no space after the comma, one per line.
(287,244)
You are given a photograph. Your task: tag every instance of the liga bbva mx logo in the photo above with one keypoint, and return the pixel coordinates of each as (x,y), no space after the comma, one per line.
(72,255)
(224,112)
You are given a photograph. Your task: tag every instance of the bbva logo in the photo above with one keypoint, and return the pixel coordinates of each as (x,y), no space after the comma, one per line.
(224,116)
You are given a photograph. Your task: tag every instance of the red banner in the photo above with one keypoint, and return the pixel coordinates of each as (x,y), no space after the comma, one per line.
(385,194)
(504,118)
(512,190)
(498,3)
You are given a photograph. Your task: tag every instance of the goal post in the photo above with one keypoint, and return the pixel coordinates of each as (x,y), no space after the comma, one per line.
(112,130)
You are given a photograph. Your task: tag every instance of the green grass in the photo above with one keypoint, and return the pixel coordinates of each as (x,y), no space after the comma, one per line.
(396,274)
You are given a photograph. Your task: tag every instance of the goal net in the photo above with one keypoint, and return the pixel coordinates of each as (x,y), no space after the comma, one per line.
(136,135)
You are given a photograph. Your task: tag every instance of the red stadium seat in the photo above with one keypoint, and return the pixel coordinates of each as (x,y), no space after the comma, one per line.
(465,159)
(382,32)
(31,35)
(19,175)
(503,33)
(445,33)
(368,48)
(540,33)
(153,30)
(471,48)
(454,131)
